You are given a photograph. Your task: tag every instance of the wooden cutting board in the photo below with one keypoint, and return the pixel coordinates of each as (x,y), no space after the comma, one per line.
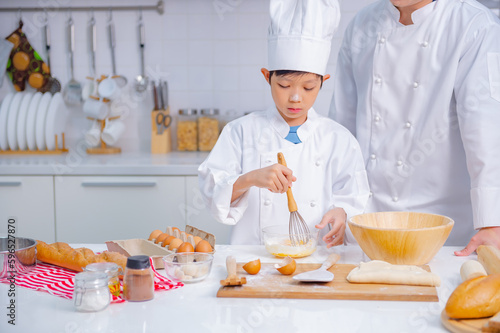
(463,325)
(269,283)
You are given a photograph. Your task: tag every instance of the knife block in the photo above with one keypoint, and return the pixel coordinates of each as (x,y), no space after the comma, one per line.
(160,143)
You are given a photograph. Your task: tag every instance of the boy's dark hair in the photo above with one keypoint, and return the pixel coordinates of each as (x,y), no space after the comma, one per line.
(292,73)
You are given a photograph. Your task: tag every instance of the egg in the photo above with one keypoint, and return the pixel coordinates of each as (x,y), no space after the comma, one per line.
(203,246)
(287,266)
(196,240)
(161,238)
(155,234)
(174,244)
(252,267)
(185,247)
(167,241)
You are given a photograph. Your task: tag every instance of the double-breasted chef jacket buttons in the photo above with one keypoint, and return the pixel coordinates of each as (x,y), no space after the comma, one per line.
(267,202)
(373,156)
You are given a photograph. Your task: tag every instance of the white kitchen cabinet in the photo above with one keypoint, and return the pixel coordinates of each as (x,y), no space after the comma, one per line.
(199,216)
(95,209)
(29,201)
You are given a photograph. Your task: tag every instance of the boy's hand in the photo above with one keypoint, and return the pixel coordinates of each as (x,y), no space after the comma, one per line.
(276,178)
(336,217)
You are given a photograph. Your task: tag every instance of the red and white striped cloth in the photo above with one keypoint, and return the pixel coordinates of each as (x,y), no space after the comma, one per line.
(59,281)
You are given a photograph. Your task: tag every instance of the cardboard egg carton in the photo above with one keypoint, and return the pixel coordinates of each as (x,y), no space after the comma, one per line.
(133,247)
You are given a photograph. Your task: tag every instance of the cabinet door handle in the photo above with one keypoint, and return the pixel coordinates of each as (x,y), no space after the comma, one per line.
(11,183)
(108,183)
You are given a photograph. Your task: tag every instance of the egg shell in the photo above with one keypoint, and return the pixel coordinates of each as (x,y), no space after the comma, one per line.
(185,247)
(167,241)
(287,266)
(161,238)
(252,267)
(155,234)
(203,246)
(174,244)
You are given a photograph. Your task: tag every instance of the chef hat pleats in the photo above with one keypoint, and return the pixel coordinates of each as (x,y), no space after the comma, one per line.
(300,34)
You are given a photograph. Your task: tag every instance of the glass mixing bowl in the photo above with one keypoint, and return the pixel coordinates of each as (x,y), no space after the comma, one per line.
(278,243)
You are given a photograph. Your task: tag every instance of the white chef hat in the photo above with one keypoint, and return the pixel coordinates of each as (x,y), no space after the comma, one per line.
(300,34)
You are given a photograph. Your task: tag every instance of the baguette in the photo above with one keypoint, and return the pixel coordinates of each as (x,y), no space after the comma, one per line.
(63,255)
(475,298)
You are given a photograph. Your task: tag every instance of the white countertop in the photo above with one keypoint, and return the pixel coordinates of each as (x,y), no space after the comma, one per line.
(195,307)
(124,164)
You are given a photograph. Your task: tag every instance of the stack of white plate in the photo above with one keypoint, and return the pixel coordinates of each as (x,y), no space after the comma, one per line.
(31,121)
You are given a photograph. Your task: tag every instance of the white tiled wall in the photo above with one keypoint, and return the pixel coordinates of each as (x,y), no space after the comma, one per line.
(210,54)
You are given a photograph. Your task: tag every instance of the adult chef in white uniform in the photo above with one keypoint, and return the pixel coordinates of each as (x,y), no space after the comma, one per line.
(418,84)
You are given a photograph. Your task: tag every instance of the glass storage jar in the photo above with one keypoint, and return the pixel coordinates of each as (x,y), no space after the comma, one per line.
(208,129)
(187,131)
(112,270)
(91,291)
(138,281)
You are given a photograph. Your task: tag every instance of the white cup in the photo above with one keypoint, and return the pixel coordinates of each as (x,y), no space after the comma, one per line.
(108,88)
(112,131)
(93,135)
(97,109)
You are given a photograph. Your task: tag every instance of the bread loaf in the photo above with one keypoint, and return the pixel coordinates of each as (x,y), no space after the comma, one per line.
(475,298)
(63,255)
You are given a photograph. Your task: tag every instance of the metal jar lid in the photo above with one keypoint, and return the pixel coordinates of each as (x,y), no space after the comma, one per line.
(209,112)
(188,112)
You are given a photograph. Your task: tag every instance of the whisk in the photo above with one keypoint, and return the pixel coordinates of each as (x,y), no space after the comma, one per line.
(297,227)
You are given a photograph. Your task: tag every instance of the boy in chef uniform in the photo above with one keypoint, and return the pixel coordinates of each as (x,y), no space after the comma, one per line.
(241,181)
(418,83)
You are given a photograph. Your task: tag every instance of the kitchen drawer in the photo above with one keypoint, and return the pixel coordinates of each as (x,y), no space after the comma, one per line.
(199,216)
(102,208)
(30,201)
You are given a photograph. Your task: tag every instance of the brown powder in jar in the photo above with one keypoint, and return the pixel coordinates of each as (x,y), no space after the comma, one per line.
(138,285)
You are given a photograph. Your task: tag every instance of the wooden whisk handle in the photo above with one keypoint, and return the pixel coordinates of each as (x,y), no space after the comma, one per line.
(292,205)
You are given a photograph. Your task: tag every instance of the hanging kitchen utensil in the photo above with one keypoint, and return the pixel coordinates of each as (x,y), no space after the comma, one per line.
(120,80)
(321,274)
(54,84)
(90,87)
(298,229)
(72,93)
(141,81)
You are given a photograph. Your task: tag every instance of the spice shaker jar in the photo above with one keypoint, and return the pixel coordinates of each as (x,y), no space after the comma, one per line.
(91,291)
(187,131)
(208,129)
(113,272)
(138,281)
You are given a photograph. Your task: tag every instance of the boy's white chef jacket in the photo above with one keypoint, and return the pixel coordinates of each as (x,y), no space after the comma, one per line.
(328,166)
(424,103)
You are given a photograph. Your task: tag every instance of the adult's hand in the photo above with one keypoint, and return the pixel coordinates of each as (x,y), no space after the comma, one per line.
(336,217)
(485,236)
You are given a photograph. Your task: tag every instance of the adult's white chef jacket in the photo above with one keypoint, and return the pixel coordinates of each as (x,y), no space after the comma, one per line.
(423,101)
(328,165)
